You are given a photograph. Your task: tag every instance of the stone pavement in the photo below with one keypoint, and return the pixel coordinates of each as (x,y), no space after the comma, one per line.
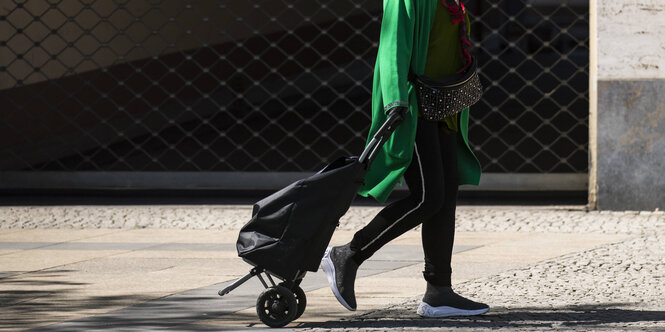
(159,268)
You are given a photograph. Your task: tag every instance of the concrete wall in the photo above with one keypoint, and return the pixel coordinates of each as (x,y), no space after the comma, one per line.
(631,39)
(628,108)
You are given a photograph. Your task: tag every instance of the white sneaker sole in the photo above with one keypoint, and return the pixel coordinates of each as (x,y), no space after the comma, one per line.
(425,310)
(329,269)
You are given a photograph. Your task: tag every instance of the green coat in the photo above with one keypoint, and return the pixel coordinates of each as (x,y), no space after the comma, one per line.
(403,44)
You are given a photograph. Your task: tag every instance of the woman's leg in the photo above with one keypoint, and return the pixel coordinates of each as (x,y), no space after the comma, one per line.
(425,178)
(438,232)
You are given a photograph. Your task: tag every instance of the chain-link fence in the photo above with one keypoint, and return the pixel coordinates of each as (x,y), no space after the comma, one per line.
(534,115)
(266,85)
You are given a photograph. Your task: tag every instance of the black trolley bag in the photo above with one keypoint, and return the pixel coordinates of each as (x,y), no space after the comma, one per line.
(290,230)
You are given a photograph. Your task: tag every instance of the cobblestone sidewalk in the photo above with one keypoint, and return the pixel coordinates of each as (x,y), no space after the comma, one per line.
(619,286)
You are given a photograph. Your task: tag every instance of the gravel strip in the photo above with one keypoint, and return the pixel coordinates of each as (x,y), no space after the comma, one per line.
(571,219)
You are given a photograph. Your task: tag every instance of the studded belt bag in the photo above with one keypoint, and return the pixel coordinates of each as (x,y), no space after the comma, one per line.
(442,97)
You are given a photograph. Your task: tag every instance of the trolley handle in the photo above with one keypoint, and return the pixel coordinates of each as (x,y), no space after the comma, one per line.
(381,136)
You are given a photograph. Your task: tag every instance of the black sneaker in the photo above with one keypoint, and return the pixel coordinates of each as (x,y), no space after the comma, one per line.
(340,269)
(442,301)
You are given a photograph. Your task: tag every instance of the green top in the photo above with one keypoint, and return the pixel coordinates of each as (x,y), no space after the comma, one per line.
(403,44)
(444,43)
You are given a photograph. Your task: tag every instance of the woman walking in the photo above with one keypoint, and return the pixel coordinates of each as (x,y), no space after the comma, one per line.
(430,38)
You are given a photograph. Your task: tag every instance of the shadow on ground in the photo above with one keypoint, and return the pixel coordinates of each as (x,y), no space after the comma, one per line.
(566,318)
(29,289)
(43,297)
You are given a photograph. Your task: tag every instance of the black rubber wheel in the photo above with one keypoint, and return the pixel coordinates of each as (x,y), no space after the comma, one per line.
(301,299)
(277,306)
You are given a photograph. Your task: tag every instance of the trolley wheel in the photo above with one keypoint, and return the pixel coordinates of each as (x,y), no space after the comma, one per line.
(276,306)
(301,299)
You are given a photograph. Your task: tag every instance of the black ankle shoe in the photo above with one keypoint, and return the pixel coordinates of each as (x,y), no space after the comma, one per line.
(340,269)
(442,301)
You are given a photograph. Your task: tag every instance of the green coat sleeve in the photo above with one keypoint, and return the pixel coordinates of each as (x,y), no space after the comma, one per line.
(395,50)
(390,89)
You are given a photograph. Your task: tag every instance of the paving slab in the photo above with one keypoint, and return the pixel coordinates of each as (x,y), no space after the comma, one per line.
(82,246)
(52,235)
(35,260)
(168,235)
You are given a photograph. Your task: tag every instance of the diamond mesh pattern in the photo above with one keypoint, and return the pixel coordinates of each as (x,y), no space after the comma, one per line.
(265,85)
(535,59)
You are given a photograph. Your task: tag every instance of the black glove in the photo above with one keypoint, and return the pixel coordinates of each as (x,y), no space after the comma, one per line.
(401,113)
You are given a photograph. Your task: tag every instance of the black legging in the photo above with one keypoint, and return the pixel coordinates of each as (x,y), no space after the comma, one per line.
(432,181)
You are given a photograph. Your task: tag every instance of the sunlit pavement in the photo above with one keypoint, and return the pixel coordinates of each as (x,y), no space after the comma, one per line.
(556,267)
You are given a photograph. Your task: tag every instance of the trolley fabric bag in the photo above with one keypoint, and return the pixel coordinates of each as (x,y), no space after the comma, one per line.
(290,229)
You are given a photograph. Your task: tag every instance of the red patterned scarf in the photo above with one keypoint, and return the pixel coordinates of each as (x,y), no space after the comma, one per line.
(457,16)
